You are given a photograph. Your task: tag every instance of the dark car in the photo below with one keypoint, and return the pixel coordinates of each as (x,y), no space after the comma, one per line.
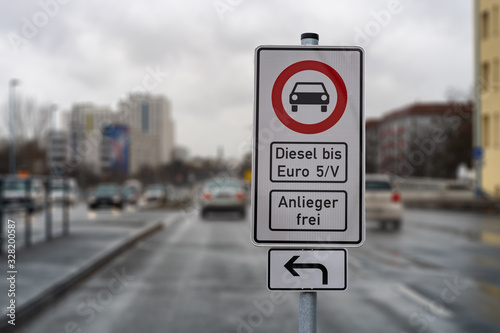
(309,93)
(106,195)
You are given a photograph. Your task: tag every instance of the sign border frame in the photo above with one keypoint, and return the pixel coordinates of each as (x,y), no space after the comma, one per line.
(268,277)
(255,155)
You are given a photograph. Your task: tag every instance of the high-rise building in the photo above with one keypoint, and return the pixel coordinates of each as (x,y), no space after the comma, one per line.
(151,129)
(85,139)
(150,132)
(489,50)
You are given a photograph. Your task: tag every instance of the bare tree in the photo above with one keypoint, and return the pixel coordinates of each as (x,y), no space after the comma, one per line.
(33,120)
(32,123)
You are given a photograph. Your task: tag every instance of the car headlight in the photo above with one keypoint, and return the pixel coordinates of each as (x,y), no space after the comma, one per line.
(116,198)
(91,199)
(295,97)
(323,97)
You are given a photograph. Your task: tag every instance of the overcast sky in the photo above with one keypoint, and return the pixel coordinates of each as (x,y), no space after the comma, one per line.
(203,52)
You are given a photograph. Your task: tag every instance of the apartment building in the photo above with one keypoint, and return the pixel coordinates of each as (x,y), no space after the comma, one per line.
(151,129)
(415,139)
(489,44)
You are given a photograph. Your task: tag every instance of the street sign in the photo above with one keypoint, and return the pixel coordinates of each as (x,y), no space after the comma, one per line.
(308,171)
(477,153)
(318,269)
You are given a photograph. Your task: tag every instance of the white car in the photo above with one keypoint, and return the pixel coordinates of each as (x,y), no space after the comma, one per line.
(69,191)
(382,202)
(223,195)
(20,193)
(155,194)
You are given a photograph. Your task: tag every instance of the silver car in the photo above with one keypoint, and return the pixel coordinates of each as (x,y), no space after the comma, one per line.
(20,193)
(64,189)
(382,202)
(155,194)
(223,195)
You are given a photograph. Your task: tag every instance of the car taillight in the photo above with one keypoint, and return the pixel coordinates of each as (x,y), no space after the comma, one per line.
(396,197)
(207,196)
(240,196)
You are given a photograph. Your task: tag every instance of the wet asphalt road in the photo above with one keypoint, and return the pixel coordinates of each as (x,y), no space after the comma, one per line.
(440,273)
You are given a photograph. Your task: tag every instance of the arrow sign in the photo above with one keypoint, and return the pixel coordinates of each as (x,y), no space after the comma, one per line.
(291,266)
(330,263)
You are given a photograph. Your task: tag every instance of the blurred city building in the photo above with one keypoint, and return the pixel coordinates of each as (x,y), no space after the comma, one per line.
(143,121)
(372,138)
(181,153)
(85,134)
(57,144)
(490,97)
(421,140)
(151,129)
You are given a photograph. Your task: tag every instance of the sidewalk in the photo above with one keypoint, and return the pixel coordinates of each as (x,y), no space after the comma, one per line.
(47,269)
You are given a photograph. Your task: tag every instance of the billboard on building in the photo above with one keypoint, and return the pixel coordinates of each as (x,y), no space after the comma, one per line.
(117,148)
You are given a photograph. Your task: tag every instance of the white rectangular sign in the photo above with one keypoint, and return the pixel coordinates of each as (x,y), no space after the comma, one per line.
(322,162)
(318,269)
(308,171)
(308,210)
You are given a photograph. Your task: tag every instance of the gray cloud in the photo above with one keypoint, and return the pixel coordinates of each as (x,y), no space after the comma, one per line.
(98,51)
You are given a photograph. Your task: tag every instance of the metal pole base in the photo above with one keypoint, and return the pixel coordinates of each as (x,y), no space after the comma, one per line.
(307,312)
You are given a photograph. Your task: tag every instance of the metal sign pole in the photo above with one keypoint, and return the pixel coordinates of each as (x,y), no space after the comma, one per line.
(307,312)
(65,208)
(29,210)
(308,300)
(1,217)
(48,210)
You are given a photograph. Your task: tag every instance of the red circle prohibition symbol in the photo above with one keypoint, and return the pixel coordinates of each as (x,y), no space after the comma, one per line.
(299,127)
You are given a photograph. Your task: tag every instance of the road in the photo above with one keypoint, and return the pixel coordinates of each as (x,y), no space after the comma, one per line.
(440,273)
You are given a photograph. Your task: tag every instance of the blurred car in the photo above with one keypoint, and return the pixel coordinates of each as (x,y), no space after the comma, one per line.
(155,193)
(223,195)
(130,195)
(382,202)
(60,189)
(184,194)
(106,195)
(27,193)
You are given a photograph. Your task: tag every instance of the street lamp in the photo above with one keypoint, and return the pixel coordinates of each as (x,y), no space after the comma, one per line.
(53,122)
(52,135)
(12,98)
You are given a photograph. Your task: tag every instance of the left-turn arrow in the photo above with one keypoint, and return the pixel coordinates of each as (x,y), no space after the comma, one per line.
(291,266)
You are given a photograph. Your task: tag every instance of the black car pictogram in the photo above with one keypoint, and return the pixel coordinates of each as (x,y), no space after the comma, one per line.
(309,93)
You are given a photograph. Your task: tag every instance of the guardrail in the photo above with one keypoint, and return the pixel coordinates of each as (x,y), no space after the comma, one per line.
(30,202)
(443,193)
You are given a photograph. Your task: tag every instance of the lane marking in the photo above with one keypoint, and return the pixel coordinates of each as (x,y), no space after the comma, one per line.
(438,310)
(91,215)
(490,238)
